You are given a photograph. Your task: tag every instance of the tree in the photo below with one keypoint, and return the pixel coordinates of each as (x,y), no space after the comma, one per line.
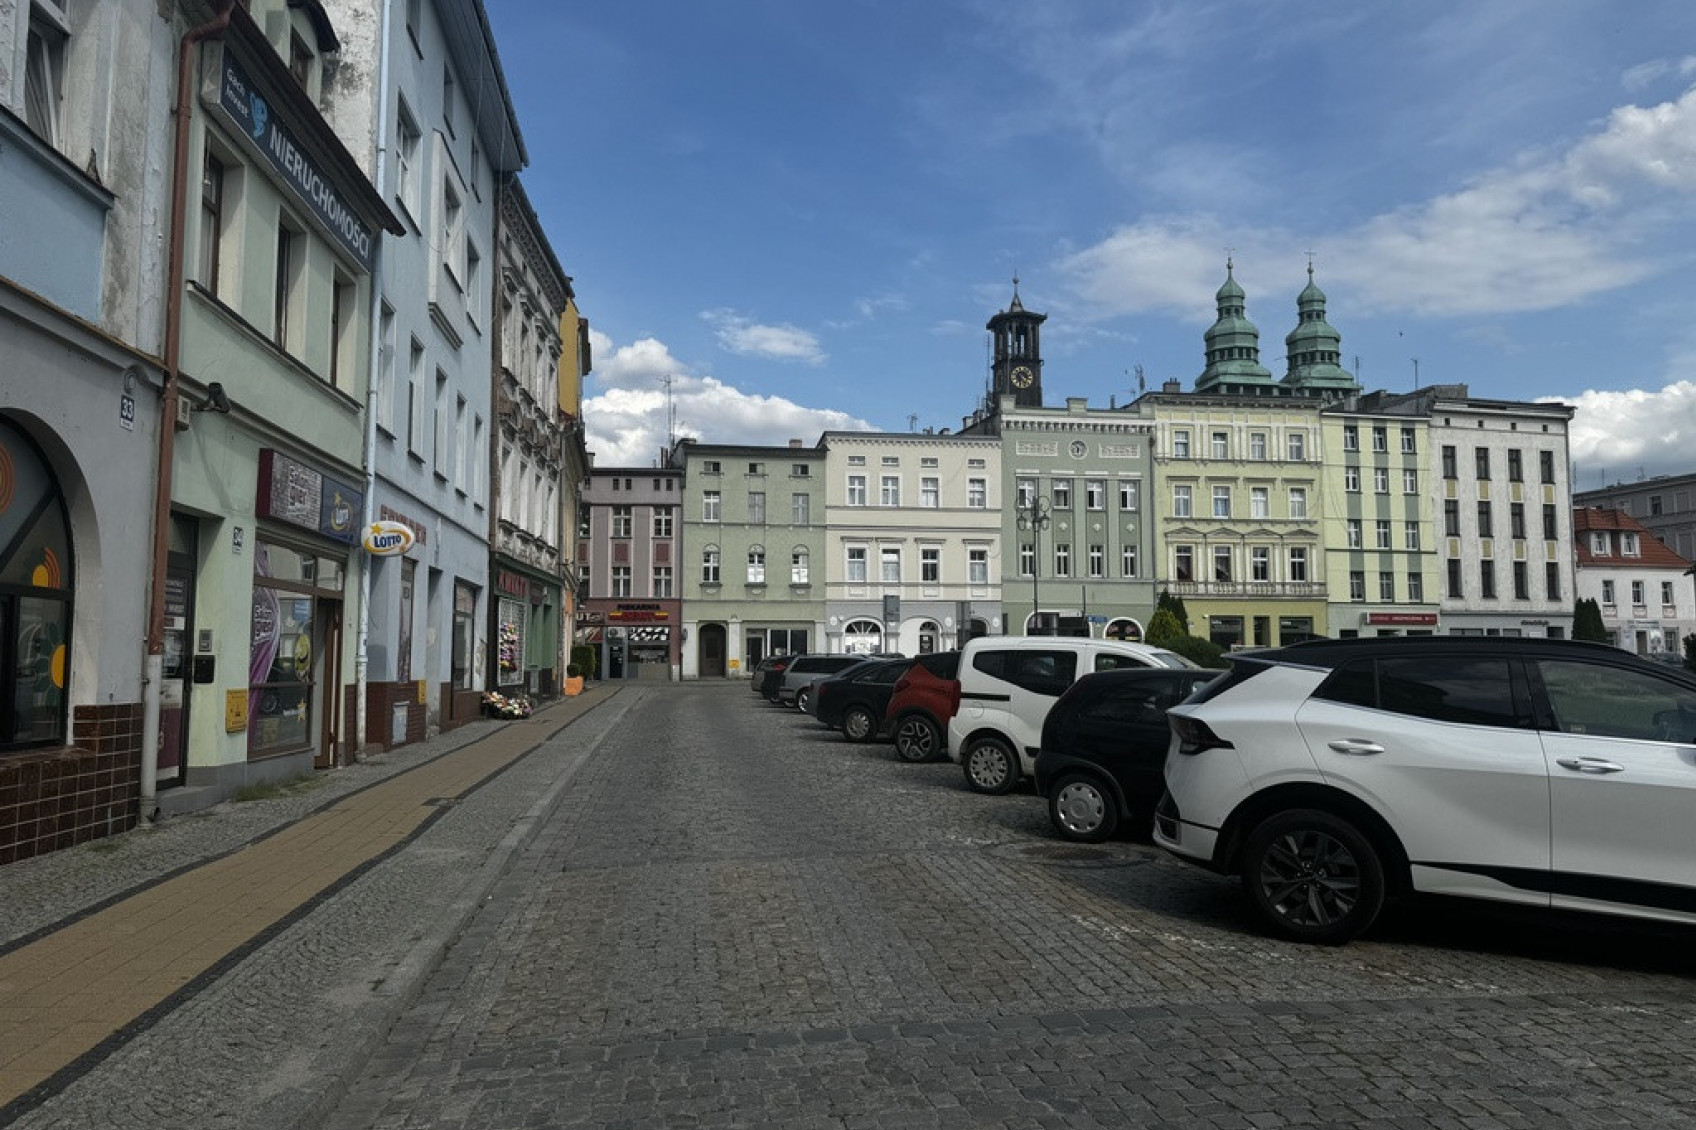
(1163,629)
(1587,621)
(1690,652)
(1174,605)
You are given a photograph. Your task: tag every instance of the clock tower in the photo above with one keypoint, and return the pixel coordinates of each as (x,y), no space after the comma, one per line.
(1015,367)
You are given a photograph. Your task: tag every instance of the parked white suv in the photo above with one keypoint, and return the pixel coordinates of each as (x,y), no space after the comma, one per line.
(1007,684)
(1330,775)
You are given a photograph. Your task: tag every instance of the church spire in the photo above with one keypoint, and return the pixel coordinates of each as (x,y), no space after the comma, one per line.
(1233,344)
(1313,349)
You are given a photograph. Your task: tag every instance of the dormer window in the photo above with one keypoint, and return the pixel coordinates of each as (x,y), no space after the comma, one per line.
(1628,545)
(1599,544)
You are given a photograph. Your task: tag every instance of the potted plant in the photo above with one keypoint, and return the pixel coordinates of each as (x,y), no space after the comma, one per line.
(573,679)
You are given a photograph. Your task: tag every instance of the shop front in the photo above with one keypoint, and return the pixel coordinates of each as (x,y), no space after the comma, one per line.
(635,639)
(528,614)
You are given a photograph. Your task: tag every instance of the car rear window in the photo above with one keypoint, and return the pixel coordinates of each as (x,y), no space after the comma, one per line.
(1043,672)
(942,664)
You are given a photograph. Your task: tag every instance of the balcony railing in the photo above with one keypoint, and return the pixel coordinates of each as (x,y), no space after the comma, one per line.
(1266,590)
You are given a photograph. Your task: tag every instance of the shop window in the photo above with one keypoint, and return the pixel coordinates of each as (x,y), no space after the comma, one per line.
(35,598)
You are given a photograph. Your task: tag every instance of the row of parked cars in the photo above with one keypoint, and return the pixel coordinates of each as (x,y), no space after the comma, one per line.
(1330,775)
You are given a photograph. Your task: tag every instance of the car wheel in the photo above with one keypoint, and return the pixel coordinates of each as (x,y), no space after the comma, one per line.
(1082,810)
(858,725)
(917,738)
(990,766)
(803,699)
(1313,876)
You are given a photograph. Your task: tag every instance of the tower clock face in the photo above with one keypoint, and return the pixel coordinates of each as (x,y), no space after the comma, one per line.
(1022,377)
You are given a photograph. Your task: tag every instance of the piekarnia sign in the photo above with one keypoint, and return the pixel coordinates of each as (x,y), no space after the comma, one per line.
(250,113)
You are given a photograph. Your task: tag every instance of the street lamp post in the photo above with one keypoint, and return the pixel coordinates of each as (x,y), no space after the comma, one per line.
(1034,516)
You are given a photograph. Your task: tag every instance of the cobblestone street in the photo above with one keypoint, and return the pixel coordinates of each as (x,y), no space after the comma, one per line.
(735,918)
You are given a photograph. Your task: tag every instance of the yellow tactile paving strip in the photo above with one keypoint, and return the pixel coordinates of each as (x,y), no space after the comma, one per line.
(66,992)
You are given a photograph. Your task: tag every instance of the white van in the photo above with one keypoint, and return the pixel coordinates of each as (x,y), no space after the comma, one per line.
(1007,684)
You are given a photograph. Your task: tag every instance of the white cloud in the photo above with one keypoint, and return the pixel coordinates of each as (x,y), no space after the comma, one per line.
(1541,233)
(1647,74)
(751,339)
(631,421)
(1621,436)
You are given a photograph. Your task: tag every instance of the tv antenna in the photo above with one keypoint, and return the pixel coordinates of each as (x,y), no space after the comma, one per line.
(912,422)
(670,412)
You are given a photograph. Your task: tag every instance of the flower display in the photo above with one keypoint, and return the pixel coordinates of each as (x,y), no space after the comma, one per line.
(497,705)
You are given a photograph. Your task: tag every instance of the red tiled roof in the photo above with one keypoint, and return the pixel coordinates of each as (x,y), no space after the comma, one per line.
(1652,552)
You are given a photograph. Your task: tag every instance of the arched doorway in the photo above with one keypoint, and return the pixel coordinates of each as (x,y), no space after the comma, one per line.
(929,636)
(862,637)
(712,645)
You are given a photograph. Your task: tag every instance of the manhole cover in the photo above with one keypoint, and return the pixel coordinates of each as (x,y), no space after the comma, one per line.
(1073,855)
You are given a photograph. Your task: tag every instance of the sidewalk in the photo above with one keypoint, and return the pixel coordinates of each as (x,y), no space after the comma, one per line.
(99,942)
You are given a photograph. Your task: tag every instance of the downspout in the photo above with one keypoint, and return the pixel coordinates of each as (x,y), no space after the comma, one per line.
(362,654)
(153,670)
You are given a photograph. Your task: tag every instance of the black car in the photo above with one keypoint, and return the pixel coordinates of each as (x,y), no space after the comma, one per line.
(856,698)
(1104,748)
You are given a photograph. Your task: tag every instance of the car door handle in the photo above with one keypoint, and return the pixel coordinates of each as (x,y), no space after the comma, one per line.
(1589,764)
(1355,745)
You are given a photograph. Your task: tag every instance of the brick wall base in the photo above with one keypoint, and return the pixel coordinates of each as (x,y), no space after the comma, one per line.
(54,798)
(381,701)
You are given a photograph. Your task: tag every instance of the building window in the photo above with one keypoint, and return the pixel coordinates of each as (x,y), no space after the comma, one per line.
(1063,559)
(1456,591)
(756,469)
(1221,445)
(1380,438)
(856,490)
(1129,495)
(1352,526)
(856,461)
(800,471)
(211,220)
(662,521)
(1027,559)
(1382,530)
(1628,544)
(1351,479)
(930,492)
(1516,473)
(757,565)
(621,521)
(447,99)
(1450,470)
(1095,494)
(1351,438)
(799,567)
(1259,502)
(621,580)
(1222,562)
(1516,519)
(1387,587)
(1297,447)
(1549,520)
(1221,502)
(710,467)
(856,564)
(1062,494)
(662,581)
(800,510)
(891,490)
(1183,562)
(930,565)
(1260,563)
(1552,581)
(1608,593)
(1666,593)
(1484,520)
(44,68)
(1599,543)
(1451,518)
(1481,457)
(1357,585)
(891,460)
(36,610)
(1487,579)
(710,506)
(977,494)
(1026,491)
(1298,502)
(1637,592)
(1181,500)
(1521,581)
(709,566)
(1409,445)
(283,285)
(1298,563)
(889,560)
(1098,561)
(1180,444)
(1415,588)
(1128,561)
(1546,463)
(1410,536)
(757,507)
(1410,481)
(1257,446)
(977,566)
(1381,480)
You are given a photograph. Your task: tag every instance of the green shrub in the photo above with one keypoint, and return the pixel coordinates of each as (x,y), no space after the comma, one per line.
(1163,628)
(585,658)
(1203,653)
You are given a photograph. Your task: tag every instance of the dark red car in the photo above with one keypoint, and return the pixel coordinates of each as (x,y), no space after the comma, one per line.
(925,698)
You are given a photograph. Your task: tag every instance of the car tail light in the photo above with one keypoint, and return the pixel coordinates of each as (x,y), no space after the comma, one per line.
(1194,736)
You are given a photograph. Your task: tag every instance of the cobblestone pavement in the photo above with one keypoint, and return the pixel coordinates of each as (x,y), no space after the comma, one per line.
(735,918)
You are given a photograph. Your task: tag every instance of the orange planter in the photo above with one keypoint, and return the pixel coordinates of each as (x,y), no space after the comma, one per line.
(573,684)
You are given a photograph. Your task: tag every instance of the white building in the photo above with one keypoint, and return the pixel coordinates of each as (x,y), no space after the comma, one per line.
(912,540)
(1643,588)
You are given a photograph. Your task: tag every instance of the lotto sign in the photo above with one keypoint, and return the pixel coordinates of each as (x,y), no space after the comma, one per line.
(387,539)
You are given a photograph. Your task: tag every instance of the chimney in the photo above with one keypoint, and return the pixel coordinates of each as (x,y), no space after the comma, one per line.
(795,443)
(1172,386)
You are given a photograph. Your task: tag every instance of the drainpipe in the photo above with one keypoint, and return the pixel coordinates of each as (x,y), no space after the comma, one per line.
(153,671)
(362,654)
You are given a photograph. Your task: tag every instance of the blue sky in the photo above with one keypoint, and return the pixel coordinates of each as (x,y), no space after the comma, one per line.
(803,214)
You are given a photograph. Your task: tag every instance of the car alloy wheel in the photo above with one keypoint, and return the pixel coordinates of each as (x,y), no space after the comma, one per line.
(858,725)
(803,699)
(917,739)
(1313,876)
(990,766)
(1082,810)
